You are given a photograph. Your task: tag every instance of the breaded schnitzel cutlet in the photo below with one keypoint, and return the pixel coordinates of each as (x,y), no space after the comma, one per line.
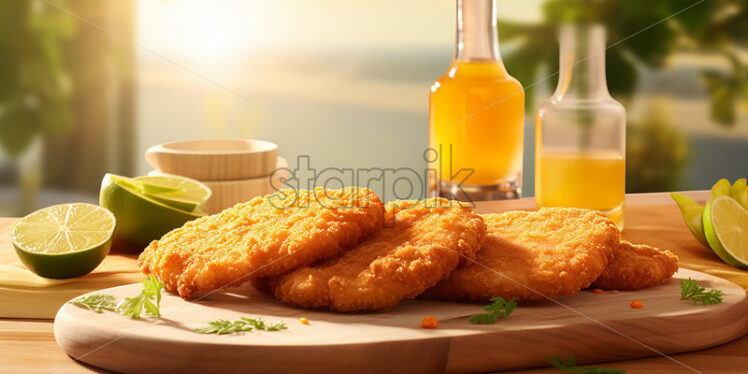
(422,242)
(553,252)
(265,236)
(637,266)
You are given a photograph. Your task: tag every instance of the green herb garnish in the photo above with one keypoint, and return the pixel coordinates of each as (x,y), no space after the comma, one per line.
(690,290)
(499,308)
(223,326)
(133,306)
(570,366)
(97,303)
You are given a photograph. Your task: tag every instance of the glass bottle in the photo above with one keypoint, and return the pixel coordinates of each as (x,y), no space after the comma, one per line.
(476,115)
(580,131)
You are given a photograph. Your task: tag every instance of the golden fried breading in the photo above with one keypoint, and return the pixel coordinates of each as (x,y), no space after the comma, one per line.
(637,266)
(553,252)
(265,236)
(422,242)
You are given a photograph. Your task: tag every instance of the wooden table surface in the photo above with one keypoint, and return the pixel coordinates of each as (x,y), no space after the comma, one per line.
(28,346)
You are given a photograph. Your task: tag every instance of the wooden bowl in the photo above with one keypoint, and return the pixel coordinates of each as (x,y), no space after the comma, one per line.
(226,194)
(215,159)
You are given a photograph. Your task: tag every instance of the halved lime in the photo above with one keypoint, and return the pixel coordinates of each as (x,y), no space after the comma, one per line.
(140,218)
(726,230)
(692,214)
(63,241)
(179,192)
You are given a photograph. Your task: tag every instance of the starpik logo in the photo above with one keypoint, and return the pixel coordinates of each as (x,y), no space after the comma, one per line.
(393,183)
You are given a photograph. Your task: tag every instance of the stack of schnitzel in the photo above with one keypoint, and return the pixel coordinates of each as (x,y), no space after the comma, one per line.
(348,251)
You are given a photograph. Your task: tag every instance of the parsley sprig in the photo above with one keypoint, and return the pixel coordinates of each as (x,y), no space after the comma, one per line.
(133,306)
(690,290)
(499,308)
(569,366)
(224,326)
(149,298)
(97,303)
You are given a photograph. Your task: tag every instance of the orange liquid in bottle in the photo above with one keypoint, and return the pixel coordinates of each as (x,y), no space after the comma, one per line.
(476,114)
(592,180)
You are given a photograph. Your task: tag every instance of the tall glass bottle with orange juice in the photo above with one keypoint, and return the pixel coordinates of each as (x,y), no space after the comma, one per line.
(580,131)
(476,115)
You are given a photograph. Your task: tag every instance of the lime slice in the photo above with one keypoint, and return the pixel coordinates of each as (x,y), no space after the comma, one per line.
(726,229)
(739,192)
(156,189)
(692,214)
(738,187)
(179,192)
(742,197)
(721,188)
(175,202)
(140,218)
(63,241)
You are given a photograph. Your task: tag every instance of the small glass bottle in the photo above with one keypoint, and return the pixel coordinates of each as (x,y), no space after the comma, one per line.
(580,131)
(476,115)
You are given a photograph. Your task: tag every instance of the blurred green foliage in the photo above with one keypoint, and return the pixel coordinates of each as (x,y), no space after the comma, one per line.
(34,85)
(711,26)
(656,152)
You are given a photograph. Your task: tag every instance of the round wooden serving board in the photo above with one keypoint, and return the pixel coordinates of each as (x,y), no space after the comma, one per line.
(594,327)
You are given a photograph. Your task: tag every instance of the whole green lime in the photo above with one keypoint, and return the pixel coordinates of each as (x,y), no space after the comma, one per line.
(140,219)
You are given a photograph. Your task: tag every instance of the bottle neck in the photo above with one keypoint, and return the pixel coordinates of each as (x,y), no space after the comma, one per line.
(582,62)
(477,38)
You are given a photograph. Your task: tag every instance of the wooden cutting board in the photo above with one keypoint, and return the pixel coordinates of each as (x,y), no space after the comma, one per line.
(24,294)
(594,327)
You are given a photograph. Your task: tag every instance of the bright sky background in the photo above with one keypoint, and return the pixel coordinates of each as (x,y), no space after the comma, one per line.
(220,29)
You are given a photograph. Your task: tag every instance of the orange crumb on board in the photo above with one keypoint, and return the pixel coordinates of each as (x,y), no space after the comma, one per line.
(597,290)
(429,322)
(636,304)
(304,320)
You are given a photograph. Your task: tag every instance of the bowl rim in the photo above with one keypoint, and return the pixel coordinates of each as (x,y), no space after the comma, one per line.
(265,147)
(280,164)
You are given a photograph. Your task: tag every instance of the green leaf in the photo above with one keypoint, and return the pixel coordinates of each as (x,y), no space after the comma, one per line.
(133,306)
(244,324)
(569,366)
(482,319)
(499,308)
(690,290)
(277,326)
(97,302)
(151,308)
